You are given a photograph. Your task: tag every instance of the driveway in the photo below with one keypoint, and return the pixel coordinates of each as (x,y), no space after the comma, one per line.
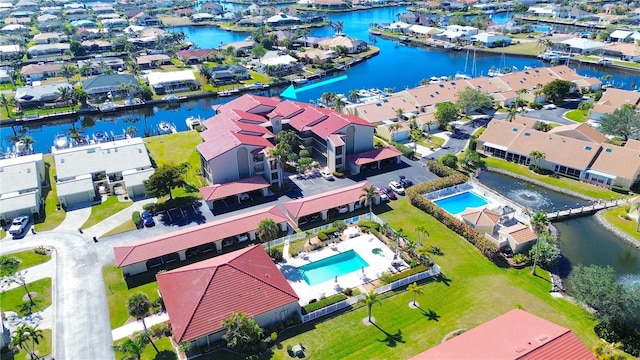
(551,115)
(458,141)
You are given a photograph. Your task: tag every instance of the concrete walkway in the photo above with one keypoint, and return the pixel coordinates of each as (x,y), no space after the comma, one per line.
(115,220)
(74,219)
(128,329)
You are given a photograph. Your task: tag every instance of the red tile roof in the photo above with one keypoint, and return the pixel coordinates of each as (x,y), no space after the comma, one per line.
(251,103)
(514,335)
(194,236)
(198,53)
(224,134)
(374,155)
(199,296)
(221,191)
(316,203)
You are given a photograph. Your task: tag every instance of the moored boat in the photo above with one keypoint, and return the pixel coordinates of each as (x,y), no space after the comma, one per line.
(61,141)
(192,122)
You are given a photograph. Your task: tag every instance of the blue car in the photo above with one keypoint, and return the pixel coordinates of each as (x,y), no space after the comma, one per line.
(147,219)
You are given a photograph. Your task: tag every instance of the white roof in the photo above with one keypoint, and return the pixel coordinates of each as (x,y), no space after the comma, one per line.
(279,60)
(13,27)
(135,177)
(9,48)
(584,44)
(80,184)
(133,29)
(19,173)
(158,78)
(110,157)
(450,34)
(421,29)
(489,37)
(620,34)
(17,201)
(280,17)
(399,25)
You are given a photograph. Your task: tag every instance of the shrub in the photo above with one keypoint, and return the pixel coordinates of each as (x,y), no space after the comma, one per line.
(276,254)
(324,235)
(160,330)
(339,225)
(535,105)
(40,251)
(405,150)
(387,278)
(369,224)
(520,258)
(323,303)
(449,160)
(338,174)
(151,207)
(348,291)
(439,169)
(135,217)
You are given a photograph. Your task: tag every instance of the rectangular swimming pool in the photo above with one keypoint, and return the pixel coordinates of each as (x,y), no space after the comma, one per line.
(327,269)
(458,203)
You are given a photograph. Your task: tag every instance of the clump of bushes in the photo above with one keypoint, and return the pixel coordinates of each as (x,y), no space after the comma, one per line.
(338,174)
(324,235)
(405,150)
(160,330)
(387,278)
(40,251)
(520,258)
(137,219)
(276,254)
(313,306)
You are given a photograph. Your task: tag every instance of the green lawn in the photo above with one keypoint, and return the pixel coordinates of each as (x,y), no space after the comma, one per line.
(52,216)
(105,209)
(118,293)
(167,352)
(11,300)
(29,258)
(174,149)
(561,182)
(3,234)
(576,115)
(475,292)
(527,48)
(615,217)
(43,348)
(124,227)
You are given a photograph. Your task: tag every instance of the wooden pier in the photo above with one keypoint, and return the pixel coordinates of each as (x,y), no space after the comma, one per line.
(578,211)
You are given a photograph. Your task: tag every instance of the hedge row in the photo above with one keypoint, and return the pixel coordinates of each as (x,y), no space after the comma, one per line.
(387,278)
(405,150)
(437,184)
(323,303)
(323,235)
(440,170)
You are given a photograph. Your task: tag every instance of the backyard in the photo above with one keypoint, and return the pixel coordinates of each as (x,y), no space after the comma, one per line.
(167,352)
(473,291)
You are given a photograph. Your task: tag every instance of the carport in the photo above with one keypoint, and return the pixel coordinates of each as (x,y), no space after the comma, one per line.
(356,161)
(242,186)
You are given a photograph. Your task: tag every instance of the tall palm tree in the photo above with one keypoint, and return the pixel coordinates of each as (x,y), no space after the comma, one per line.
(422,230)
(21,337)
(68,71)
(416,290)
(539,224)
(338,27)
(267,231)
(522,92)
(327,98)
(354,96)
(536,155)
(132,131)
(393,129)
(369,193)
(28,142)
(338,104)
(132,348)
(64,94)
(511,113)
(369,300)
(6,103)
(399,112)
(138,306)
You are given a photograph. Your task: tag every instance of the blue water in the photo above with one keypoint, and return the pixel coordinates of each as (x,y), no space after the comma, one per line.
(328,269)
(541,28)
(458,203)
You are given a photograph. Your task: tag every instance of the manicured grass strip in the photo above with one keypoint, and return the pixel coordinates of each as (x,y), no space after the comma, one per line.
(42,349)
(3,234)
(124,227)
(174,149)
(29,258)
(11,300)
(105,209)
(118,293)
(576,115)
(167,352)
(615,217)
(561,182)
(475,291)
(52,217)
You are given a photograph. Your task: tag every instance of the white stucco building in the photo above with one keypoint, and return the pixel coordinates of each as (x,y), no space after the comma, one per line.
(21,180)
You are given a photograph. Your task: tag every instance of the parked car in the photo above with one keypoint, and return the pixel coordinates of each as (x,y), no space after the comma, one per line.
(396,187)
(19,224)
(327,175)
(244,196)
(405,182)
(390,194)
(383,195)
(242,237)
(147,219)
(343,209)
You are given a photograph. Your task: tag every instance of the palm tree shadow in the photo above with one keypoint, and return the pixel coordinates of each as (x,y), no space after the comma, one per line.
(442,278)
(392,339)
(430,314)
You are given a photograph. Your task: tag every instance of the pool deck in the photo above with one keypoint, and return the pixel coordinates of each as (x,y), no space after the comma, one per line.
(362,244)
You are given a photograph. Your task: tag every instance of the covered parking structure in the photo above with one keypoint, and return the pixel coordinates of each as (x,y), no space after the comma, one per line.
(141,256)
(237,188)
(318,206)
(375,156)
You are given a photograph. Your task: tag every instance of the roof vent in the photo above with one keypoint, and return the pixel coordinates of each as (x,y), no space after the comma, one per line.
(588,148)
(515,130)
(608,150)
(527,134)
(543,338)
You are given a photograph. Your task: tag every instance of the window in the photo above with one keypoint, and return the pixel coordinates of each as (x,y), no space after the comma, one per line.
(274,176)
(339,161)
(339,150)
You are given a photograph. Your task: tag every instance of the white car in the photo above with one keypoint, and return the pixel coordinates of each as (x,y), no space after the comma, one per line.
(396,187)
(549,107)
(19,224)
(326,174)
(343,209)
(244,196)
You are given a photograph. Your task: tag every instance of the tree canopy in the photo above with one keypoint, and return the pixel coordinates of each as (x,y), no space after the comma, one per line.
(623,122)
(242,331)
(449,160)
(446,112)
(470,99)
(163,180)
(557,90)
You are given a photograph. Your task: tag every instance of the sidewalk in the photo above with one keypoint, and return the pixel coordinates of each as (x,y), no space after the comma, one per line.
(74,219)
(115,220)
(128,329)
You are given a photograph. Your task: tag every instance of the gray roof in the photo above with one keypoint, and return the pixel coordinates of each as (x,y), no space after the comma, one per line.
(108,82)
(39,93)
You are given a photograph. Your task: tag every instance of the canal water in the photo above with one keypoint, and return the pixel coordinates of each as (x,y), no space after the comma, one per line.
(582,240)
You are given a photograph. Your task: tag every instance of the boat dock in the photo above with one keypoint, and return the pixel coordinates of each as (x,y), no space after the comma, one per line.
(583,210)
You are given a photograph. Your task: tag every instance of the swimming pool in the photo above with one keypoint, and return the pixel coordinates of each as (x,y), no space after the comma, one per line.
(327,269)
(457,203)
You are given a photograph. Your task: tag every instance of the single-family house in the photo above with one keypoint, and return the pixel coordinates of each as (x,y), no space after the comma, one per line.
(624,51)
(34,72)
(240,48)
(281,65)
(105,86)
(83,172)
(97,45)
(283,19)
(202,16)
(21,180)
(96,66)
(49,37)
(48,49)
(518,237)
(6,75)
(144,19)
(620,35)
(9,51)
(611,100)
(211,8)
(330,4)
(229,74)
(543,10)
(195,56)
(491,40)
(118,23)
(153,61)
(514,335)
(583,46)
(252,284)
(172,81)
(352,45)
(28,97)
(317,56)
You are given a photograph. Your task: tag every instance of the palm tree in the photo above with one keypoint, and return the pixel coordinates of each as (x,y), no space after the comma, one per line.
(28,141)
(416,290)
(511,113)
(267,231)
(522,92)
(132,131)
(64,94)
(327,98)
(545,43)
(608,351)
(539,223)
(393,129)
(338,27)
(422,230)
(132,348)
(68,71)
(399,112)
(338,104)
(354,96)
(369,193)
(6,103)
(536,155)
(138,306)
(307,236)
(24,334)
(369,300)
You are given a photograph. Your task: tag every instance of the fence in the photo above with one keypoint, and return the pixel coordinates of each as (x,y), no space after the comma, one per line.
(448,191)
(435,270)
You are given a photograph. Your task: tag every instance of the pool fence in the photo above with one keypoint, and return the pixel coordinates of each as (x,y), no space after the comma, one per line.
(434,271)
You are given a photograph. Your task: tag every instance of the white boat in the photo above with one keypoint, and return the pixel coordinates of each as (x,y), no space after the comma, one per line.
(165,128)
(193,121)
(364,93)
(228,92)
(256,86)
(106,107)
(434,80)
(300,81)
(61,141)
(460,76)
(171,98)
(375,91)
(100,137)
(494,72)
